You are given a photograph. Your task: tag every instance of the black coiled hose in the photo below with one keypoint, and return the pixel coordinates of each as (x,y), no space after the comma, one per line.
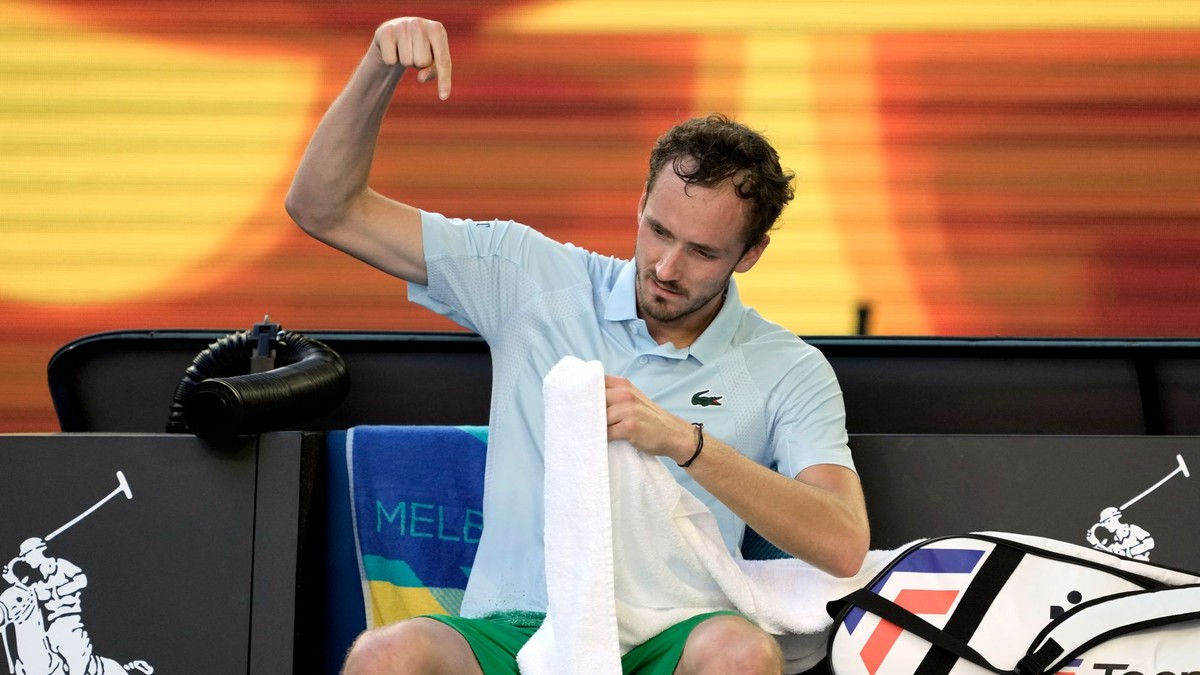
(219,398)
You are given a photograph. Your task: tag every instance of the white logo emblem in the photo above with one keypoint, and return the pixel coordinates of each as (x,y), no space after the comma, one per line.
(1127,539)
(40,612)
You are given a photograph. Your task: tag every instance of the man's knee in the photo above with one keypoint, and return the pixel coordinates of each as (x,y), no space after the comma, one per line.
(730,644)
(413,646)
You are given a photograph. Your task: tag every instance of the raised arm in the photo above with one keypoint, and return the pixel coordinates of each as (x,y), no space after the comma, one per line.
(329,197)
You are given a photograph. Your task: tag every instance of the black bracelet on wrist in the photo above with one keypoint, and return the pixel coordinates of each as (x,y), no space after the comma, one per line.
(699,444)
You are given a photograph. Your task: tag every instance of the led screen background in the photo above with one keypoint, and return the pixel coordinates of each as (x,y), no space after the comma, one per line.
(991,168)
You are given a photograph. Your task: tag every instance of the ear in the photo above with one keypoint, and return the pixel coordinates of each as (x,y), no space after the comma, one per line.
(642,205)
(752,255)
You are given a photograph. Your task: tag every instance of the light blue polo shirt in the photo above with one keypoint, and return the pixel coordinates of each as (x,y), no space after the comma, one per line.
(753,384)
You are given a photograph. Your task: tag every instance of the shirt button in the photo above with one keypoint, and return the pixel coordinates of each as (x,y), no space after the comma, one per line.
(633,329)
(643,360)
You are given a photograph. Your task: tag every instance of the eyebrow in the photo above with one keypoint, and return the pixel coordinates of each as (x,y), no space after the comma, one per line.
(654,222)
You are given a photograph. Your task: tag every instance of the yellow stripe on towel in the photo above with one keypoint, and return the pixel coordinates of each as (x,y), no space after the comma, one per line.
(394,603)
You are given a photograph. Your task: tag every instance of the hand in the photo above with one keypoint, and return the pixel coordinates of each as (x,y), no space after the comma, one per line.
(633,417)
(412,42)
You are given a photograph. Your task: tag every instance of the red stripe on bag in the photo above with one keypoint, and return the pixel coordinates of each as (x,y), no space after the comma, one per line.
(884,637)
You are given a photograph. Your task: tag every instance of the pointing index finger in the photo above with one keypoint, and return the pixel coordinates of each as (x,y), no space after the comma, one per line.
(440,46)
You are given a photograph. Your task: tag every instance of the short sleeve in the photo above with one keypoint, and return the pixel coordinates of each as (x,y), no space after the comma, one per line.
(810,424)
(481,273)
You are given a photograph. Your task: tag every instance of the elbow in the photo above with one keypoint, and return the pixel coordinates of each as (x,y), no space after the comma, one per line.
(320,215)
(849,558)
(305,212)
(849,563)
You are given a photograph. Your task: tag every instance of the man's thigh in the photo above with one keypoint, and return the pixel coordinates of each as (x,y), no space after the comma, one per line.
(494,644)
(660,654)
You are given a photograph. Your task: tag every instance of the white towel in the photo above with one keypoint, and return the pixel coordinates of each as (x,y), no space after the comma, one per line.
(579,634)
(612,588)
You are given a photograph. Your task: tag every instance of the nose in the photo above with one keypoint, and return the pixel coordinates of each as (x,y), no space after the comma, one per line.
(667,268)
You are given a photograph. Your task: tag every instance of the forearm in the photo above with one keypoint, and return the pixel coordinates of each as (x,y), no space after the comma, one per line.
(333,172)
(822,522)
(820,516)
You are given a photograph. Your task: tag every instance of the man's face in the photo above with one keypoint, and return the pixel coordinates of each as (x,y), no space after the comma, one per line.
(689,243)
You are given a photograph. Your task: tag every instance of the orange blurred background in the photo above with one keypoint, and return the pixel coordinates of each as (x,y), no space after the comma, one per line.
(1002,168)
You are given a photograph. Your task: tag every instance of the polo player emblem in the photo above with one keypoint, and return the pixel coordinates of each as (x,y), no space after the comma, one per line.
(41,623)
(1127,539)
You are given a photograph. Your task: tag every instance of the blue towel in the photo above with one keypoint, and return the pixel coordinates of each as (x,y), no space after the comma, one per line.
(417,497)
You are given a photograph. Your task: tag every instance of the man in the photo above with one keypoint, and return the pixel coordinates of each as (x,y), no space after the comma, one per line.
(694,376)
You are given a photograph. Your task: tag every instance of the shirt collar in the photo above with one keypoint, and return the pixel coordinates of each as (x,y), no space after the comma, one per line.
(714,341)
(622,303)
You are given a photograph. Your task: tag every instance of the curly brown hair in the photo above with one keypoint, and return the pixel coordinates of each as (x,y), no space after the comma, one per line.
(707,151)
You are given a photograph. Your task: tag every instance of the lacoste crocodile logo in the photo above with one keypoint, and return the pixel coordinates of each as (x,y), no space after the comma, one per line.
(703,401)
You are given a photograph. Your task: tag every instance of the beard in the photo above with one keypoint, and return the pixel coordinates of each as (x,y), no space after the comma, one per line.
(669,308)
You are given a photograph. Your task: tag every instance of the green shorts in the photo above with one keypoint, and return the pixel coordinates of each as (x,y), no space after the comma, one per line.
(497,639)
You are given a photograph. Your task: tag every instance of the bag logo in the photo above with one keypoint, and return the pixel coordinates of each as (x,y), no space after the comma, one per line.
(914,594)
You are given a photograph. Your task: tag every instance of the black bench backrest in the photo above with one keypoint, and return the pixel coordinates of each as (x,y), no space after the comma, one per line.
(125,382)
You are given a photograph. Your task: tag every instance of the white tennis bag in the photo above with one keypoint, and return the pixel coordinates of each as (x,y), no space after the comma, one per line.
(1004,603)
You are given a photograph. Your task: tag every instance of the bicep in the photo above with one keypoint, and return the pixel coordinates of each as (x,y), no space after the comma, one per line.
(839,481)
